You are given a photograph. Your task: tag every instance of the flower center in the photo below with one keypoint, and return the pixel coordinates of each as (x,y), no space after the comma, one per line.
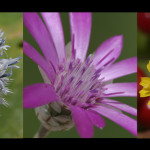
(79,83)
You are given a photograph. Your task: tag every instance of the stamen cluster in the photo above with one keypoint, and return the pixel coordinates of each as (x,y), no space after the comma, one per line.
(79,83)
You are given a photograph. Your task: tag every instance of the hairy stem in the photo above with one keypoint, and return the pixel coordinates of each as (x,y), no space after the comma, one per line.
(42,132)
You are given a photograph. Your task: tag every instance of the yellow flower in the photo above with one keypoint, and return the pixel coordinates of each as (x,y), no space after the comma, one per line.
(148,66)
(145,82)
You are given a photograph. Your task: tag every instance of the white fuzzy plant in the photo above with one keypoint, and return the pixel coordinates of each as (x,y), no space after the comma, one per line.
(6,66)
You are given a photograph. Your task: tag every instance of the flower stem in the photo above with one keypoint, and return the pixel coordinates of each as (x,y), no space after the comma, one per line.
(42,132)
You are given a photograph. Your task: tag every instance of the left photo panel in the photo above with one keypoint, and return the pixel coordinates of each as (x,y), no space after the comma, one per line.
(11,75)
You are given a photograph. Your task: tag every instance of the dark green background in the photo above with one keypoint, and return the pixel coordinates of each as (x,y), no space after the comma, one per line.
(104,25)
(143,42)
(11,117)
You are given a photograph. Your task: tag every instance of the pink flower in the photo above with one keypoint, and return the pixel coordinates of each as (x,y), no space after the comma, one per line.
(81,84)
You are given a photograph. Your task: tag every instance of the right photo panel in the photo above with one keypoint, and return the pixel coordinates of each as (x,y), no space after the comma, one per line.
(143,74)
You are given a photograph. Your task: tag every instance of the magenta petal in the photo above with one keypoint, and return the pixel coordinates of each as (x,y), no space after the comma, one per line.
(36,27)
(120,106)
(38,94)
(96,119)
(121,89)
(120,69)
(108,51)
(117,117)
(80,24)
(37,58)
(82,122)
(54,25)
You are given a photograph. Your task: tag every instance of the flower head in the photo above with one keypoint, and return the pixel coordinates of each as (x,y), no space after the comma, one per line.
(6,66)
(77,89)
(145,82)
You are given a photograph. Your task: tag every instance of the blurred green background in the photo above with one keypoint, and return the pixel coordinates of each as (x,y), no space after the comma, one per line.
(11,117)
(104,26)
(143,42)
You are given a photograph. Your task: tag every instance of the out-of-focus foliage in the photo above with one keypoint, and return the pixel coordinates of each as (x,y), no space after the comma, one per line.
(143,39)
(11,117)
(143,48)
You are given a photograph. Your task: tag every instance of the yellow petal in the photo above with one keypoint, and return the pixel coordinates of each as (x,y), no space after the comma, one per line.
(148,66)
(145,82)
(149,103)
(144,93)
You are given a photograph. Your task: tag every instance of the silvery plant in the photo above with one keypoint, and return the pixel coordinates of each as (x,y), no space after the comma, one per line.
(6,66)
